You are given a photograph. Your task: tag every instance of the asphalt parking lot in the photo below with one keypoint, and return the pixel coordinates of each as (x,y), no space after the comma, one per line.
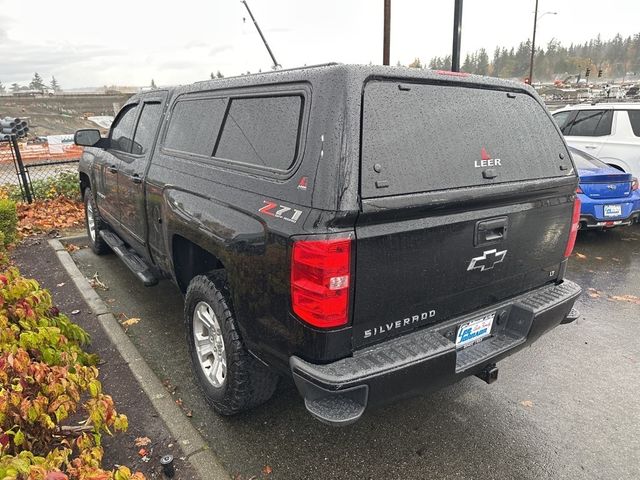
(567,407)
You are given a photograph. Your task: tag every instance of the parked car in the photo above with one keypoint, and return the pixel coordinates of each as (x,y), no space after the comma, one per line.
(371,232)
(609,198)
(608,131)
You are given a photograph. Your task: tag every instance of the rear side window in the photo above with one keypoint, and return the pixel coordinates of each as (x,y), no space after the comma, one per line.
(634,118)
(262,131)
(147,127)
(194,125)
(563,119)
(590,123)
(432,137)
(122,129)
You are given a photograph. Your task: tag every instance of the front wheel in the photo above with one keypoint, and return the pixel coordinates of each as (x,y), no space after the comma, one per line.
(231,379)
(93,223)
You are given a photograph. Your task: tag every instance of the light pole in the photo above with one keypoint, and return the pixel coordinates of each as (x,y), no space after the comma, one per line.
(386,32)
(533,39)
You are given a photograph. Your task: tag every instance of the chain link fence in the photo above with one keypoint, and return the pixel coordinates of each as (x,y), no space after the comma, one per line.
(44,174)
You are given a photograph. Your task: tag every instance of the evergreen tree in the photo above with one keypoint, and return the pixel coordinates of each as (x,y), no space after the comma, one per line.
(153,83)
(36,82)
(15,87)
(482,65)
(415,64)
(55,86)
(218,74)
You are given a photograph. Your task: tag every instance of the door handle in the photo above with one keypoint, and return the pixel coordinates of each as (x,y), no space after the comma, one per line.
(591,147)
(135,178)
(112,169)
(489,231)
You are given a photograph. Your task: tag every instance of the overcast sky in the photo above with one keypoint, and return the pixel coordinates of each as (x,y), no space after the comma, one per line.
(124,42)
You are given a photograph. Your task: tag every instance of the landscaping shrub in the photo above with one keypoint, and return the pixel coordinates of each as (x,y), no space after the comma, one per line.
(65,184)
(8,221)
(47,379)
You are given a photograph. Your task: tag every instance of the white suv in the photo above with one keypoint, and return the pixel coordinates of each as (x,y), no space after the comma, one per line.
(609,131)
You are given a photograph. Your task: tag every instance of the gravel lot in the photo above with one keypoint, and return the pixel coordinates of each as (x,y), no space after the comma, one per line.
(568,407)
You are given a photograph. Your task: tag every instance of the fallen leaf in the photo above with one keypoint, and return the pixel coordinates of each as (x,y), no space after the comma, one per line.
(189,413)
(626,298)
(142,441)
(527,403)
(593,293)
(131,321)
(598,258)
(60,284)
(142,452)
(70,247)
(266,470)
(96,282)
(580,256)
(75,312)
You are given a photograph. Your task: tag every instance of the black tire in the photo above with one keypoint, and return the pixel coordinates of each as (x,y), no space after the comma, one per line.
(247,382)
(98,245)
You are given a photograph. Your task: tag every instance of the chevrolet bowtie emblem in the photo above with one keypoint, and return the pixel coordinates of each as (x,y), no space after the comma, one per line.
(487,261)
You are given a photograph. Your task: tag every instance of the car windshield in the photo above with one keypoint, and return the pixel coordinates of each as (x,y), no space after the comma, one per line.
(584,160)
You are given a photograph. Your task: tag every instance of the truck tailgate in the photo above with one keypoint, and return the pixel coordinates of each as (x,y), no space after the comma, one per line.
(467,199)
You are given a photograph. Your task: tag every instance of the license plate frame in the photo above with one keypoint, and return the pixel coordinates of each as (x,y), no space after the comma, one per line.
(614,210)
(474,331)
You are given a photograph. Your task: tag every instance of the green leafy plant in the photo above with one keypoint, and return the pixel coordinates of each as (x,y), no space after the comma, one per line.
(45,378)
(8,221)
(63,184)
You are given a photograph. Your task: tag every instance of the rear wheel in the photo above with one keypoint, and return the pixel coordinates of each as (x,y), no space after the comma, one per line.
(231,379)
(94,224)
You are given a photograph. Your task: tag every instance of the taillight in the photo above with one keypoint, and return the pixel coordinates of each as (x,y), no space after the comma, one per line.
(579,189)
(320,279)
(634,184)
(575,224)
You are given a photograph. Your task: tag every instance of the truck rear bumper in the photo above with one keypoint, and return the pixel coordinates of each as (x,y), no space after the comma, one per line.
(425,360)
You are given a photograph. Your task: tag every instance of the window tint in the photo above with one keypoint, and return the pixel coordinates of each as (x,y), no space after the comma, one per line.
(262,131)
(563,119)
(634,118)
(591,123)
(194,125)
(436,137)
(147,126)
(122,129)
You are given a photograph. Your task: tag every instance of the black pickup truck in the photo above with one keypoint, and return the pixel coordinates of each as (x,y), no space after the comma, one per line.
(372,232)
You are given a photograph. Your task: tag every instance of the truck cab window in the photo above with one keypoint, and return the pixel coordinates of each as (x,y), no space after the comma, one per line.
(122,129)
(147,126)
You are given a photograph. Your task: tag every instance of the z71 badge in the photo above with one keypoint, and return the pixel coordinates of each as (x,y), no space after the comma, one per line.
(281,211)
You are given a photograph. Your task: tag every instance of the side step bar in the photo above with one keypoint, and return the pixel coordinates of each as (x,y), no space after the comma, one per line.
(131,259)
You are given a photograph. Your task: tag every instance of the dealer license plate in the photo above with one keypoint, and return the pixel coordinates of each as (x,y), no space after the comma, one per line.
(474,331)
(612,210)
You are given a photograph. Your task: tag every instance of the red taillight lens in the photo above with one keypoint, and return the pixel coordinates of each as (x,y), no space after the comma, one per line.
(634,184)
(575,224)
(320,278)
(579,189)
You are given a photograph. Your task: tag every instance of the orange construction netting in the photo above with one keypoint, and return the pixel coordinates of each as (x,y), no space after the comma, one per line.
(41,152)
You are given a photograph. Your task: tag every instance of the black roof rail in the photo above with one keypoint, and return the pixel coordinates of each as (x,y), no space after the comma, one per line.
(319,65)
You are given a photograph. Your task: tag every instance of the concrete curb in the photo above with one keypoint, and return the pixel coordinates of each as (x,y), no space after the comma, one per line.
(193,445)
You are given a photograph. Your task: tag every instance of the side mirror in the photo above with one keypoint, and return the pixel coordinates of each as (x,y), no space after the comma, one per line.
(88,137)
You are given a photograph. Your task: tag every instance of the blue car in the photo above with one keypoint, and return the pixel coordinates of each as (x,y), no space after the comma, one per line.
(609,197)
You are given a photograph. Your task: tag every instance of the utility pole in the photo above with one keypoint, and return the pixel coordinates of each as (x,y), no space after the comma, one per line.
(264,40)
(533,44)
(457,34)
(387,32)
